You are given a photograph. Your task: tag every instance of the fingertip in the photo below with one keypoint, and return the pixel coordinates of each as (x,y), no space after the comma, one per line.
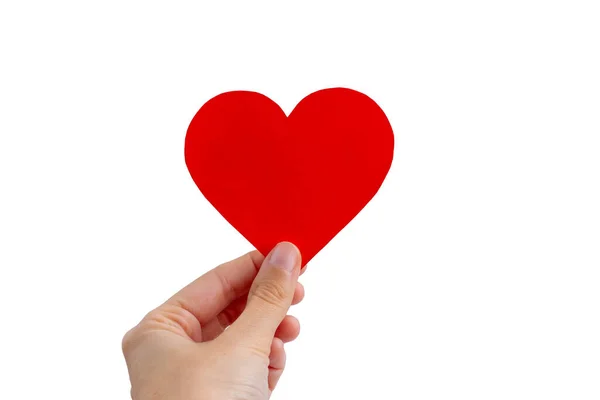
(298,293)
(289,329)
(277,344)
(277,355)
(303,269)
(277,360)
(286,256)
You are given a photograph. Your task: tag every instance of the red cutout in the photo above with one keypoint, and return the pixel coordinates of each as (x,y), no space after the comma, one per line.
(300,178)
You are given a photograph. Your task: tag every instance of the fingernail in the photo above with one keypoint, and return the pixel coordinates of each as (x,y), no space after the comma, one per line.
(285,256)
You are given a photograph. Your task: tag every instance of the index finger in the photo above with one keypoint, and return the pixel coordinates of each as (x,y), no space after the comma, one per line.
(211,293)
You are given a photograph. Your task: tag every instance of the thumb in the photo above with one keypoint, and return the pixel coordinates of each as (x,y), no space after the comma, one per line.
(269,298)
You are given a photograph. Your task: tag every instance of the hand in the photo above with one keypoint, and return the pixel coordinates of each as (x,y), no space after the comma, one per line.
(222,336)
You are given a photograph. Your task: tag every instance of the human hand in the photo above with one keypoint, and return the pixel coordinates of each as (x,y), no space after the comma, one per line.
(222,336)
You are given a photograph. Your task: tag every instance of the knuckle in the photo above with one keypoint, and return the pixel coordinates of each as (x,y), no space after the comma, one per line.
(178,318)
(271,292)
(127,341)
(138,337)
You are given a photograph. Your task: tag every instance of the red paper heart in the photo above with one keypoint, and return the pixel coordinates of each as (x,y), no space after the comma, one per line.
(300,178)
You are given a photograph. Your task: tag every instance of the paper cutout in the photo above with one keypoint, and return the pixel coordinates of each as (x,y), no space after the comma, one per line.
(300,178)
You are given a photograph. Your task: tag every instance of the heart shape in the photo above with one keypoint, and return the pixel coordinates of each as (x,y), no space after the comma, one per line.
(300,178)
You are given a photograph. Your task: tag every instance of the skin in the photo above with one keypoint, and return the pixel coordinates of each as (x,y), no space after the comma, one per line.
(222,336)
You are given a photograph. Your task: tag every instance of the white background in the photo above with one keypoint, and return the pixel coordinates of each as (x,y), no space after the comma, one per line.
(473,274)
